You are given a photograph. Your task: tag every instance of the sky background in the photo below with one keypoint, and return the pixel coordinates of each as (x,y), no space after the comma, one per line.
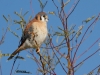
(85,9)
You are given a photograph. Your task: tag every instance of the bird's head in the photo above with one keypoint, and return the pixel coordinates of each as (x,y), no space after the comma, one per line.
(42,16)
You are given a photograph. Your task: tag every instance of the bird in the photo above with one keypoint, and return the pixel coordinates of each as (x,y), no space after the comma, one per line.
(34,34)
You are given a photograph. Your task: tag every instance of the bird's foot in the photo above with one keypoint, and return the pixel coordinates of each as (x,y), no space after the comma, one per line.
(38,50)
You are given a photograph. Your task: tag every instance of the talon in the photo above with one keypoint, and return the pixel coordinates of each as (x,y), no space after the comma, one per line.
(38,50)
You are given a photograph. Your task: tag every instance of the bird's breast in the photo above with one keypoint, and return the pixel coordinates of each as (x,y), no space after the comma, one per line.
(41,35)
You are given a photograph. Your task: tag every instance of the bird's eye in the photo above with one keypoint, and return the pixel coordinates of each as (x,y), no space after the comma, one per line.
(43,15)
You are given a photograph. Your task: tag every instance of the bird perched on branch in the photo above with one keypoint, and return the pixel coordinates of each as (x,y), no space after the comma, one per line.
(34,34)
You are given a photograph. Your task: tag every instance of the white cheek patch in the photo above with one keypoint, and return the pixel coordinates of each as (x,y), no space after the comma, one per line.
(42,18)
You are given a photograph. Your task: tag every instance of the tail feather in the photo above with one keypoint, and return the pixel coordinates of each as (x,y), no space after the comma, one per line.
(15,52)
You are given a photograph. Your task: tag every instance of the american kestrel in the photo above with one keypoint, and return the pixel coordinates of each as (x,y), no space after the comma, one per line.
(34,34)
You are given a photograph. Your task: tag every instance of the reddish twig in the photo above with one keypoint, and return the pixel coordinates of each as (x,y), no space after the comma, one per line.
(88,48)
(38,63)
(36,60)
(73,8)
(31,7)
(51,44)
(84,36)
(88,57)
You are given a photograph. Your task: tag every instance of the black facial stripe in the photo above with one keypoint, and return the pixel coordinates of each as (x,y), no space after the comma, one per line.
(36,17)
(40,18)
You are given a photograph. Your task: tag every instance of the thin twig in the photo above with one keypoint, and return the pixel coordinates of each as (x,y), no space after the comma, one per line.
(36,60)
(88,57)
(57,57)
(95,68)
(2,39)
(47,63)
(88,48)
(0,68)
(31,7)
(13,64)
(84,36)
(73,8)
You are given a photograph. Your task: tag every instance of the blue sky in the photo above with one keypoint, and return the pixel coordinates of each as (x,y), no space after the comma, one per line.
(85,9)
